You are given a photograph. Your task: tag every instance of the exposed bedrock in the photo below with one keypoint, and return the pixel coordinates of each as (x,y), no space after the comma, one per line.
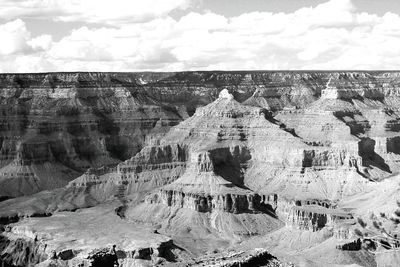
(351,246)
(149,169)
(343,232)
(153,167)
(87,120)
(368,149)
(314,218)
(232,203)
(74,149)
(346,137)
(256,257)
(230,153)
(281,147)
(310,214)
(331,158)
(182,86)
(228,162)
(66,239)
(73,122)
(19,250)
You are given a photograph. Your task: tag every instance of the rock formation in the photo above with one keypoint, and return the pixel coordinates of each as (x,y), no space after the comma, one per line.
(56,126)
(215,161)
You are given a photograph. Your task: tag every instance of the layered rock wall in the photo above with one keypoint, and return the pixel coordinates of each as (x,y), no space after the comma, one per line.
(73,121)
(232,203)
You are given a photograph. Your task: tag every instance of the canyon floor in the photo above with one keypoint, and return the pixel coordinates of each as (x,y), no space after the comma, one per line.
(200,169)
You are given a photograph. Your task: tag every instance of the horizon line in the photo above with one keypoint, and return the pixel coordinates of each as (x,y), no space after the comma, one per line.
(194,71)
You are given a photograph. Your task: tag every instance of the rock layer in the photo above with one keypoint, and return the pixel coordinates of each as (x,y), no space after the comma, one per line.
(277,148)
(55,126)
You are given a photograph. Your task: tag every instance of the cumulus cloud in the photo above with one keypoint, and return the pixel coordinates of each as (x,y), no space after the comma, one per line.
(42,42)
(332,35)
(14,37)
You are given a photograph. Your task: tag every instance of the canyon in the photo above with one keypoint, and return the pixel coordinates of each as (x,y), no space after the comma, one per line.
(208,168)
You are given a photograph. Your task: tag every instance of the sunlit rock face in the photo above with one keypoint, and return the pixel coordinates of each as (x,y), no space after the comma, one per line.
(86,120)
(344,122)
(238,156)
(208,158)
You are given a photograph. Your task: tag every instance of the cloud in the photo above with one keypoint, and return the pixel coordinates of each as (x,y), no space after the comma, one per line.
(42,42)
(309,38)
(14,37)
(334,13)
(90,11)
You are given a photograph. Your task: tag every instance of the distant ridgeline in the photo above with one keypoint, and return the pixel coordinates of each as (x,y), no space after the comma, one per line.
(202,87)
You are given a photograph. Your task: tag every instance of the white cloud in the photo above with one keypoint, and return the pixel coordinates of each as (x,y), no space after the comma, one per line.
(334,13)
(309,38)
(91,11)
(42,42)
(14,37)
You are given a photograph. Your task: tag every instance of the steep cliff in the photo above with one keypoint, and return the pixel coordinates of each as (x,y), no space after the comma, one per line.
(55,126)
(75,121)
(204,165)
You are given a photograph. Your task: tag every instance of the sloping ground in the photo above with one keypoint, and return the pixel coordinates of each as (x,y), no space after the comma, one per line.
(20,180)
(320,248)
(379,198)
(75,237)
(255,257)
(306,248)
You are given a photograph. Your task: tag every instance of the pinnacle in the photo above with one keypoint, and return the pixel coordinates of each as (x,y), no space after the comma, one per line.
(225,94)
(227,106)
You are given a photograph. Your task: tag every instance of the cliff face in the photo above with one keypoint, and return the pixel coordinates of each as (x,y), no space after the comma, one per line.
(277,89)
(277,148)
(53,127)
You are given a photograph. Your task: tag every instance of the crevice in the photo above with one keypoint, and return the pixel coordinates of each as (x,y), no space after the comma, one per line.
(231,163)
(369,156)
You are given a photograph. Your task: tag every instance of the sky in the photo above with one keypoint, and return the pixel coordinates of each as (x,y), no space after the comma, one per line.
(182,35)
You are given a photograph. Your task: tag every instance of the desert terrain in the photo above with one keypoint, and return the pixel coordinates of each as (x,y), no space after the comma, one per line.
(211,168)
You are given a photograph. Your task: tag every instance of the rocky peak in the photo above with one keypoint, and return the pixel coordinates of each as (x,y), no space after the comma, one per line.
(225,94)
(227,106)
